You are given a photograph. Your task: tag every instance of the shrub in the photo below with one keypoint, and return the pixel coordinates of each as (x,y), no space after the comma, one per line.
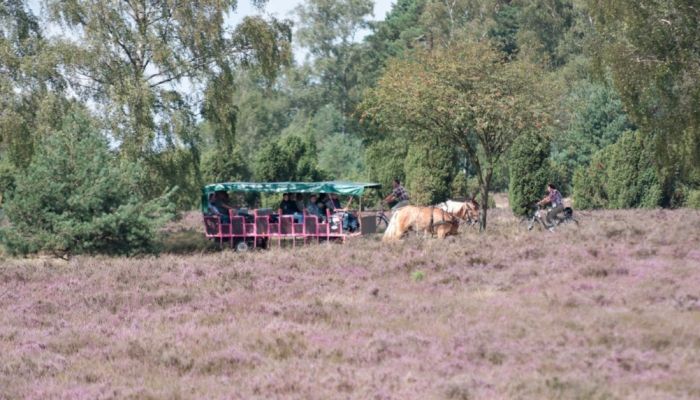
(7,180)
(621,175)
(76,198)
(430,169)
(693,199)
(529,172)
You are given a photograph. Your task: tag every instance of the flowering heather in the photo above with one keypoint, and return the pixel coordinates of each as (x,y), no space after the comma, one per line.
(608,310)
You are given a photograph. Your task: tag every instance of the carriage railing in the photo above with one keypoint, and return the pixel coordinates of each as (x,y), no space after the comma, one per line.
(264,226)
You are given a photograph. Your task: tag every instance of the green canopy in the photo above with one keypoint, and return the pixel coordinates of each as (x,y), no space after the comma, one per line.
(338,187)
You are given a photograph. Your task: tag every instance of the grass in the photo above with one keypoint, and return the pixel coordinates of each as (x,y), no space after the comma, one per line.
(609,310)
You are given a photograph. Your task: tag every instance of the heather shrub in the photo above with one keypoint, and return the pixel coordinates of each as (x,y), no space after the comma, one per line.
(75,197)
(621,175)
(528,170)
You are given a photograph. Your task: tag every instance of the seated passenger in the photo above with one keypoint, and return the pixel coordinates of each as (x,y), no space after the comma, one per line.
(350,223)
(300,202)
(313,209)
(215,209)
(289,207)
(336,201)
(327,202)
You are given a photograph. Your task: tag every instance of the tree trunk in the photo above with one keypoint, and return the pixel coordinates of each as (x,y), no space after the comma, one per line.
(484,201)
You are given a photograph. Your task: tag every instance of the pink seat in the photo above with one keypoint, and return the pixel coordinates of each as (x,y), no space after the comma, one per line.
(310,227)
(214,229)
(238,228)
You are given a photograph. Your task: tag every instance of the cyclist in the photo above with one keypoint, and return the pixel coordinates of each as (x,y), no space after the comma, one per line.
(398,197)
(554,199)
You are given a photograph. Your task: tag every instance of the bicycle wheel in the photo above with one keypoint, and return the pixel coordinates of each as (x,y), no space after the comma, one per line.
(382,221)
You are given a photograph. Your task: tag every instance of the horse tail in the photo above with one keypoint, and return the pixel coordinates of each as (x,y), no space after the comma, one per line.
(392,231)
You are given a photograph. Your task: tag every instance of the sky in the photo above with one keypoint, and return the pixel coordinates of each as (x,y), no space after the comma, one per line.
(277,8)
(282,8)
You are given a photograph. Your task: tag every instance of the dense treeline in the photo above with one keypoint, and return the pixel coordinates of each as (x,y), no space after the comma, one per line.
(457,98)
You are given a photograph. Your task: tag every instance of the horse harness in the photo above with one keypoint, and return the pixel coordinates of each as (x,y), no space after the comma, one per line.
(442,222)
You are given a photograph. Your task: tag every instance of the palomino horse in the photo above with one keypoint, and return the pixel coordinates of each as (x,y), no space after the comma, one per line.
(468,211)
(430,220)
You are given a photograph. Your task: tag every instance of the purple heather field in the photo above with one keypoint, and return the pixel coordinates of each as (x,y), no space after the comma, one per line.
(608,310)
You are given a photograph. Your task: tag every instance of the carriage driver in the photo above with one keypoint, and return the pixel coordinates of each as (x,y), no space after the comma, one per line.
(398,197)
(553,198)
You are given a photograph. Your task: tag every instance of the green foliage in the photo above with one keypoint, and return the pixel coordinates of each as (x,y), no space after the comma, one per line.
(31,100)
(131,54)
(621,175)
(76,197)
(544,25)
(218,165)
(597,120)
(504,32)
(430,169)
(459,188)
(650,48)
(7,180)
(467,97)
(341,157)
(693,199)
(327,28)
(528,170)
(385,160)
(291,159)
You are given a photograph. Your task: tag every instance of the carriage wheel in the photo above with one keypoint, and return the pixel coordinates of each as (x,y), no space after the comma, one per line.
(242,246)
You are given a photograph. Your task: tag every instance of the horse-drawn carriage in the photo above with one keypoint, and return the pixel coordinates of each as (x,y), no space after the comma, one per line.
(243,228)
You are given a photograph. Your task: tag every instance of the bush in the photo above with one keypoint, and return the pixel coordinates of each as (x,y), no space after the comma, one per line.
(693,199)
(529,172)
(621,175)
(75,198)
(430,169)
(7,180)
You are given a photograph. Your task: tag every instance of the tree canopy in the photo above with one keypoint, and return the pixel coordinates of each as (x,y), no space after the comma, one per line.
(467,96)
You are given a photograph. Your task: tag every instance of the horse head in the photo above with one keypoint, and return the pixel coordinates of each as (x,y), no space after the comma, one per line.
(472,211)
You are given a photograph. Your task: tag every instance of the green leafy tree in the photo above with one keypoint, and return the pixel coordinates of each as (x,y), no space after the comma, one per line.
(385,159)
(328,29)
(528,170)
(543,28)
(76,197)
(31,89)
(650,48)
(136,57)
(597,120)
(621,175)
(290,159)
(466,97)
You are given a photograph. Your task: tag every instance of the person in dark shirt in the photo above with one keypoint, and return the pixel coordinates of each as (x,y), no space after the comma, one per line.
(336,201)
(288,207)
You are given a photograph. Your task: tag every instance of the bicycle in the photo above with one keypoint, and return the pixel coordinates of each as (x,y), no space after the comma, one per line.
(381,217)
(540,216)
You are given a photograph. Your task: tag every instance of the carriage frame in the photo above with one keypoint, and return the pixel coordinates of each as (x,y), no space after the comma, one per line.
(259,228)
